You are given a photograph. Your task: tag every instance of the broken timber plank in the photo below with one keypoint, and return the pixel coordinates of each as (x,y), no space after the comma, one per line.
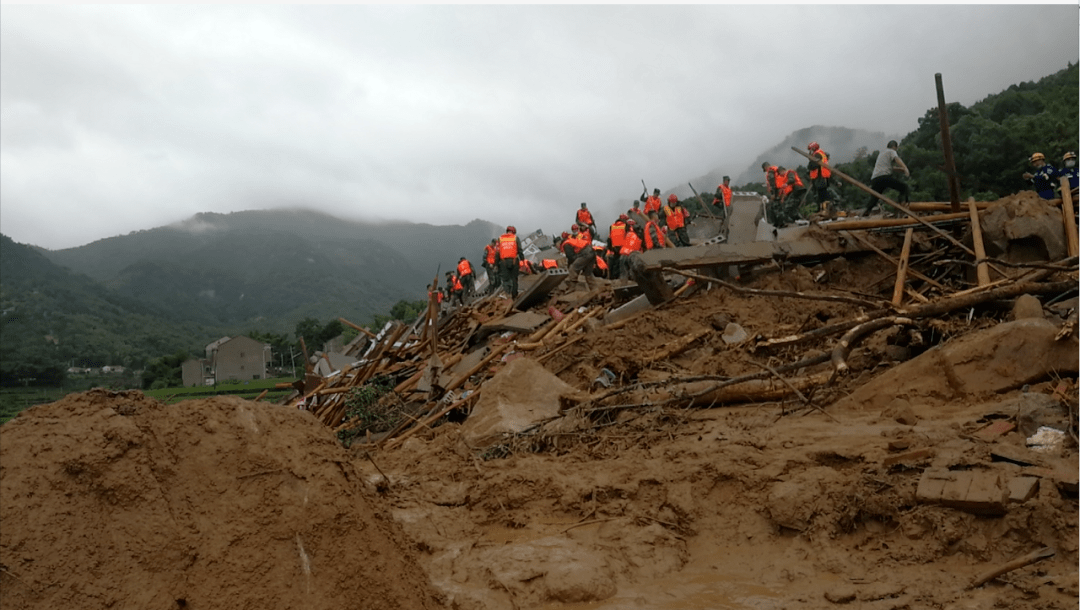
(981,271)
(902,268)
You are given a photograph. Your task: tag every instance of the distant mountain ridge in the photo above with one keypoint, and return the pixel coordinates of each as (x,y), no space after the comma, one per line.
(272,268)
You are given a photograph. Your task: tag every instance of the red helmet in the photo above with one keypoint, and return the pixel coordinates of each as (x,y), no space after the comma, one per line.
(623,217)
(812,147)
(672,198)
(511,229)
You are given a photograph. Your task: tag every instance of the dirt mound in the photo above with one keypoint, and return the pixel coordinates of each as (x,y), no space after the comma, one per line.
(115,500)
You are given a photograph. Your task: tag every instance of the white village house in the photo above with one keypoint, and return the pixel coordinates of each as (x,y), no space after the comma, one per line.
(228,359)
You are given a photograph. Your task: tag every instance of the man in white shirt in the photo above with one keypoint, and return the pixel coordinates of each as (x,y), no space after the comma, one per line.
(882,178)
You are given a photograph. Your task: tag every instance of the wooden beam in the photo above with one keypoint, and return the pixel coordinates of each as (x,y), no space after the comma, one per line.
(892,203)
(901,269)
(889,222)
(1069,217)
(981,271)
(357,327)
(946,146)
(881,253)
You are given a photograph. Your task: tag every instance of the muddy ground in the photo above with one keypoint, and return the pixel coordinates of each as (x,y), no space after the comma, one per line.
(115,500)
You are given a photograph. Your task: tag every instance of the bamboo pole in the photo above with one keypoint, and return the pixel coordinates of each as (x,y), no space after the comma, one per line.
(982,273)
(901,269)
(1069,218)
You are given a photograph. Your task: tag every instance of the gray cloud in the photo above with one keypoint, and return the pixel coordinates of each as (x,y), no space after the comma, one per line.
(119,118)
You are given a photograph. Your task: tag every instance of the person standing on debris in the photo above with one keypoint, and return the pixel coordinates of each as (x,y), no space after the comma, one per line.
(584,259)
(465,274)
(491,260)
(584,217)
(509,254)
(677,217)
(770,179)
(819,176)
(723,194)
(601,268)
(631,243)
(584,230)
(1043,178)
(652,203)
(654,236)
(887,162)
(455,289)
(1069,169)
(616,239)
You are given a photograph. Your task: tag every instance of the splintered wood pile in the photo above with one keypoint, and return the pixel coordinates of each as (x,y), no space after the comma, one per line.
(934,272)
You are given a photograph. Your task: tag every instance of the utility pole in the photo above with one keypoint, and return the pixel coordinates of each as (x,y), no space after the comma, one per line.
(946,145)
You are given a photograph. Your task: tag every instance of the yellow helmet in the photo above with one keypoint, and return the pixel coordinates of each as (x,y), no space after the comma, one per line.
(1037,157)
(1069,155)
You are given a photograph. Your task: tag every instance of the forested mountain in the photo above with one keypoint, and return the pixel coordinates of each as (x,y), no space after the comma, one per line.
(272,268)
(991,141)
(53,318)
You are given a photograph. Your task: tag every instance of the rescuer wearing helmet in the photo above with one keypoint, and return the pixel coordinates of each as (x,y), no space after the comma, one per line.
(1043,178)
(676,217)
(723,194)
(1069,169)
(819,176)
(466,275)
(631,244)
(509,255)
(491,263)
(888,162)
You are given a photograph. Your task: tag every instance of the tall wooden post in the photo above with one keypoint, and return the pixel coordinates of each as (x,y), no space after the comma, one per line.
(902,268)
(982,273)
(1069,218)
(946,145)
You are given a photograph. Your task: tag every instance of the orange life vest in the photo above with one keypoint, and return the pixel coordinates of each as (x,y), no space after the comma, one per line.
(648,238)
(525,266)
(652,204)
(675,219)
(600,262)
(771,169)
(490,254)
(822,157)
(726,192)
(583,216)
(578,242)
(455,284)
(631,244)
(550,263)
(464,268)
(508,246)
(617,233)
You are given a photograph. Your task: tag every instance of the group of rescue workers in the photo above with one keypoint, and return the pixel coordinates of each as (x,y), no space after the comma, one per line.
(660,225)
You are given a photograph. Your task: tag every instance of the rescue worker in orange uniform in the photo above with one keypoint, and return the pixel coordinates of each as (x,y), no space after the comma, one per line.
(616,238)
(652,203)
(654,235)
(491,260)
(785,209)
(601,268)
(509,255)
(465,274)
(584,259)
(631,243)
(819,176)
(677,216)
(526,267)
(723,201)
(770,179)
(584,217)
(454,288)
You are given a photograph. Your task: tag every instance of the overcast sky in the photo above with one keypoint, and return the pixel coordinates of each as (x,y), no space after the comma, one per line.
(127,117)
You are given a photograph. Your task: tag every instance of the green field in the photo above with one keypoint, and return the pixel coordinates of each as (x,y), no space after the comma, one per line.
(14,400)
